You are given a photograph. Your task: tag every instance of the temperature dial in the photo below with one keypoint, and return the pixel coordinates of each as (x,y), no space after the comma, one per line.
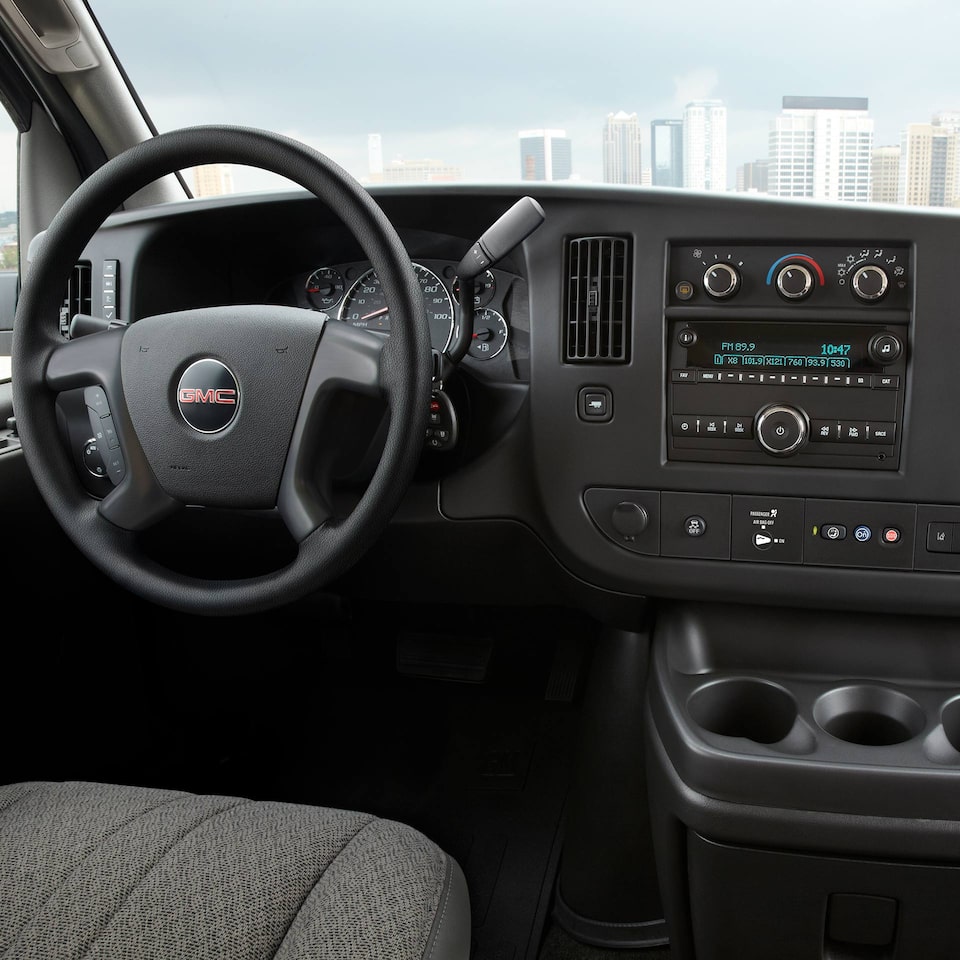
(721,281)
(489,334)
(794,281)
(869,283)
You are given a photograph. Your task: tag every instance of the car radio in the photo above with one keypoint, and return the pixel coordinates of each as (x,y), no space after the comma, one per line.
(754,380)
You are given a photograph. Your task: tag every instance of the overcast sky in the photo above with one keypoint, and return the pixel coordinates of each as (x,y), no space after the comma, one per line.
(437,84)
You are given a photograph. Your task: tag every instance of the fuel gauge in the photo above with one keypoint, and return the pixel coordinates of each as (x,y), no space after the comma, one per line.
(325,288)
(489,334)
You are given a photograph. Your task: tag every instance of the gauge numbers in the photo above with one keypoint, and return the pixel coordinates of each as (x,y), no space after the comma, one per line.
(365,305)
(325,288)
(489,334)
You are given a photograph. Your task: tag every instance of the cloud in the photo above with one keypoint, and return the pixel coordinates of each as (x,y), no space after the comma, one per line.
(699,84)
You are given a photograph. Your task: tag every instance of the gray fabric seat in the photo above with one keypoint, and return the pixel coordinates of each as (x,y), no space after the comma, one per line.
(100,872)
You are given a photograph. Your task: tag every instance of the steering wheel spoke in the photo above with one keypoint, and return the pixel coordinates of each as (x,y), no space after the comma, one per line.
(347,360)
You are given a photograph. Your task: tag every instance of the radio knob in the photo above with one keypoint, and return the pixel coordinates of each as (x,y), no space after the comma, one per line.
(781,429)
(721,281)
(794,281)
(869,283)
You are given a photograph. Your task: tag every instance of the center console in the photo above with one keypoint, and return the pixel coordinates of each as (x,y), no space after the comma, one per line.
(806,777)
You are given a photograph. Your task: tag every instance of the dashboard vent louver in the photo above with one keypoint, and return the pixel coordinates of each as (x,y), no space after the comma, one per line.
(79,295)
(597,299)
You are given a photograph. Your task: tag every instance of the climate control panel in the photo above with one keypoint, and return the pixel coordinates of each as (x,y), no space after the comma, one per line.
(795,356)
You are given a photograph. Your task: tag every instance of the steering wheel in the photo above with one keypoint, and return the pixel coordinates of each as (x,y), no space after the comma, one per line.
(224,406)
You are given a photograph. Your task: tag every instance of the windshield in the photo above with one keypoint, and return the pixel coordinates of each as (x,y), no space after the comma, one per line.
(856,103)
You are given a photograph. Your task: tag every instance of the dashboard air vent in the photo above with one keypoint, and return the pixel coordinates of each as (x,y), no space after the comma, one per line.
(596,300)
(79,295)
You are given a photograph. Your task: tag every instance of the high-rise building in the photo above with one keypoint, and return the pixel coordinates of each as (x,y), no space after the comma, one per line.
(930,163)
(666,153)
(420,171)
(821,148)
(705,145)
(885,174)
(212,180)
(545,155)
(753,177)
(622,149)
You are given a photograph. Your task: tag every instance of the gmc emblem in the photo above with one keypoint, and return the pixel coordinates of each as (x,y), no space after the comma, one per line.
(208,395)
(193,395)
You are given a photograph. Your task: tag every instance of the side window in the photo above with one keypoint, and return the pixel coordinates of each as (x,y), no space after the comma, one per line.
(9,240)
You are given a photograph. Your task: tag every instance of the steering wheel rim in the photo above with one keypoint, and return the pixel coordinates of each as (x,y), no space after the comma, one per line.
(404,371)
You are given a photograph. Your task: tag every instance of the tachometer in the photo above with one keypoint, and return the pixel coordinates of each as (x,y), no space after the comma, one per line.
(365,305)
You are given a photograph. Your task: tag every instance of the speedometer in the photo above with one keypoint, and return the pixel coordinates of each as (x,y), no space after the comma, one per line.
(366,306)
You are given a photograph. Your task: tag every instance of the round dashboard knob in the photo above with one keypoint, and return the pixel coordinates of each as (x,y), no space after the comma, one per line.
(869,283)
(884,348)
(721,281)
(781,429)
(794,281)
(629,519)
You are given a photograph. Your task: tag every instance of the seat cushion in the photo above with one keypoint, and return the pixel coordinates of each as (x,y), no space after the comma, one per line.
(106,872)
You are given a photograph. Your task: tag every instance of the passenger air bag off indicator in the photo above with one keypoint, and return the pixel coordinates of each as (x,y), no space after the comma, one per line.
(768,530)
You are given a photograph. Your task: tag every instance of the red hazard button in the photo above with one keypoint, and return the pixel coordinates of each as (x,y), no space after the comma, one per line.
(891,535)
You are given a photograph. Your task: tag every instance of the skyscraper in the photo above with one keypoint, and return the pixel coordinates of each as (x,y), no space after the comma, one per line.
(212,180)
(666,153)
(885,184)
(821,148)
(421,171)
(705,145)
(622,149)
(929,161)
(752,177)
(545,155)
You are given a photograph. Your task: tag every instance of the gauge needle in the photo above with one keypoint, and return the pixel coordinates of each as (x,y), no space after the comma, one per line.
(376,313)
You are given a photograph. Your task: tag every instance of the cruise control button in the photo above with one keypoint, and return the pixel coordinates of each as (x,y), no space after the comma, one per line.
(892,535)
(863,534)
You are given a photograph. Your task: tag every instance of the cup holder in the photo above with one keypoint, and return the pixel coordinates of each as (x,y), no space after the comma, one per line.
(943,743)
(748,707)
(870,715)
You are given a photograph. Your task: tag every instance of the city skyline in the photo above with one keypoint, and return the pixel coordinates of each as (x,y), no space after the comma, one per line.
(819,148)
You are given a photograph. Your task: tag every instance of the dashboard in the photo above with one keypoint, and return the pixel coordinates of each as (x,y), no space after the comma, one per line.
(709,397)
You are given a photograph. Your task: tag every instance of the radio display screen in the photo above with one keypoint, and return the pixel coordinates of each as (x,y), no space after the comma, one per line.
(782,346)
